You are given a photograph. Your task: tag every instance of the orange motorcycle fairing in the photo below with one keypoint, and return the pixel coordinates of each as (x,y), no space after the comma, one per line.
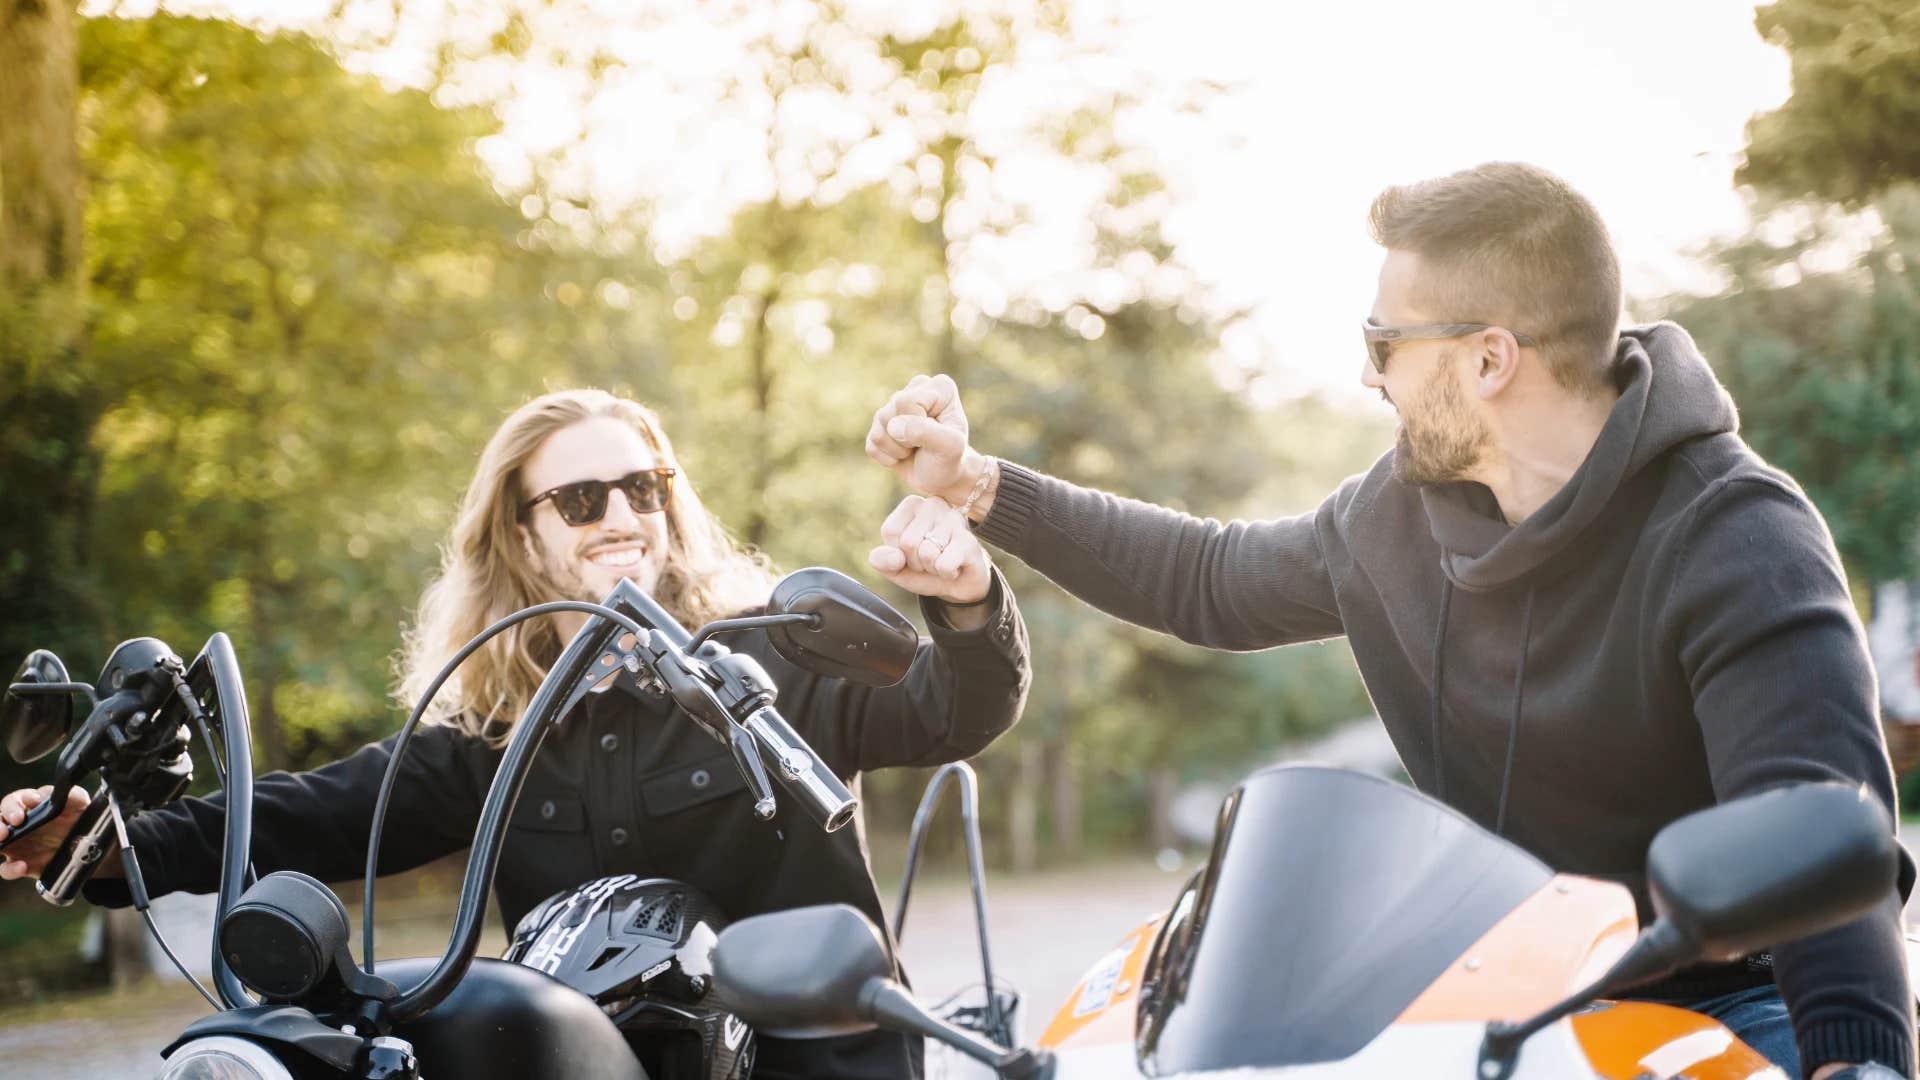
(1558,940)
(1101,1008)
(1625,1040)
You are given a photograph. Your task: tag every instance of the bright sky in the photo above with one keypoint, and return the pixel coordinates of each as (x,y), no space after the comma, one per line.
(1640,104)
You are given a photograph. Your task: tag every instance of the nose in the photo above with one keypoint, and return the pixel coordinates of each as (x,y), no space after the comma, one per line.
(620,516)
(1370,377)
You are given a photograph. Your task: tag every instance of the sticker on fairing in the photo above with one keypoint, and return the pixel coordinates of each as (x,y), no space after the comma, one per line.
(647,975)
(1098,993)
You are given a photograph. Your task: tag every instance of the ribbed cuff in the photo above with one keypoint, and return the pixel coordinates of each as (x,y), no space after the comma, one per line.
(996,603)
(1855,1041)
(1013,505)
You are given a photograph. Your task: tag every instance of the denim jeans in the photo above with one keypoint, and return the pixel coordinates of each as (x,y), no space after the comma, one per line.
(1758,1018)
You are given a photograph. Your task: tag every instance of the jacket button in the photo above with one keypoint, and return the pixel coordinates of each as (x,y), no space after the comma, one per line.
(619,837)
(700,779)
(547,810)
(609,742)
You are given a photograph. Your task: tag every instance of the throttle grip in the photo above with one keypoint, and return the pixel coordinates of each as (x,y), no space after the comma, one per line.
(91,837)
(800,770)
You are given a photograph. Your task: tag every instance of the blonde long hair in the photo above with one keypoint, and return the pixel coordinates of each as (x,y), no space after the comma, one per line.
(485,574)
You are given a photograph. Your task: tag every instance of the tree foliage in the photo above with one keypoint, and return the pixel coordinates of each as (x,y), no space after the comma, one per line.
(311,301)
(1847,133)
(1825,368)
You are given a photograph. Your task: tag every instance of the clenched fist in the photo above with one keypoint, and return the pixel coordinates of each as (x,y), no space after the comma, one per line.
(921,434)
(929,551)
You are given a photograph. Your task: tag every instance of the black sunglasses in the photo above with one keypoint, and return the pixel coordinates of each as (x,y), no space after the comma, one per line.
(1380,339)
(584,502)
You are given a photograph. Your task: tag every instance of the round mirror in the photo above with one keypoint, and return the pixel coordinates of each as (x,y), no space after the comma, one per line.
(856,636)
(33,724)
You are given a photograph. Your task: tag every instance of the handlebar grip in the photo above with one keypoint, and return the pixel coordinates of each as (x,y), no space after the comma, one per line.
(800,770)
(79,855)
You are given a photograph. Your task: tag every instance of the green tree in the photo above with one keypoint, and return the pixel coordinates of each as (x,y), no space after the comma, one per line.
(46,406)
(1825,368)
(1846,134)
(310,310)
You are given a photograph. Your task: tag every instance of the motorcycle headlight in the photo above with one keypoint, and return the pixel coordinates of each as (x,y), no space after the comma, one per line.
(222,1057)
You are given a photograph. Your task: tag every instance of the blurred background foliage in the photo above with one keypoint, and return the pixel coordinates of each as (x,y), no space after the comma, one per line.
(306,303)
(258,320)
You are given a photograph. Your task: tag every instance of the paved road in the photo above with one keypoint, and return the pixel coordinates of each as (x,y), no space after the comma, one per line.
(1046,930)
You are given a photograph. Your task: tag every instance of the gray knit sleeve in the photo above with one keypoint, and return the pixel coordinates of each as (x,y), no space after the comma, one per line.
(1240,585)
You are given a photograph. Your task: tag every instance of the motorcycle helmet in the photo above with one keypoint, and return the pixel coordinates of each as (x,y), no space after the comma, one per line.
(642,949)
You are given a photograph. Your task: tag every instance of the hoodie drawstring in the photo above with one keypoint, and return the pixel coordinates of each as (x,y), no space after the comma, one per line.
(1513,724)
(1439,674)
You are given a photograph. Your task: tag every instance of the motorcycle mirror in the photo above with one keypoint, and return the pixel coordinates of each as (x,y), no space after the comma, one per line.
(818,971)
(1738,878)
(34,724)
(1771,868)
(801,973)
(855,636)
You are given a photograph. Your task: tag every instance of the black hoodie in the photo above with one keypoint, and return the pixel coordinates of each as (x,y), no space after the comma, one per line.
(1671,629)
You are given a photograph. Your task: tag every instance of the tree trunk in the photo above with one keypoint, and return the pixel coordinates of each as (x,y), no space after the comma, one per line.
(760,375)
(126,947)
(40,176)
(47,407)
(1063,782)
(263,677)
(1023,809)
(1162,785)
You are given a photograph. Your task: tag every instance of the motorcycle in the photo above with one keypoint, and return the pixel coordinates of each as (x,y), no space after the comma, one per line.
(292,1002)
(1345,926)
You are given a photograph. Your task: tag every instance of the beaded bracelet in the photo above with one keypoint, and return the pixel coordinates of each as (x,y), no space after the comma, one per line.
(991,470)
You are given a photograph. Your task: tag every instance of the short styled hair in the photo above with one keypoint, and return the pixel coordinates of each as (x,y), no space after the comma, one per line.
(1515,246)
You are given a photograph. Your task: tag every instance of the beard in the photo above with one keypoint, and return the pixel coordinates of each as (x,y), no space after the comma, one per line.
(1441,438)
(564,579)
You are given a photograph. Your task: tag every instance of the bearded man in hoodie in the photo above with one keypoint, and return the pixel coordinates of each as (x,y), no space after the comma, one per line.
(1581,604)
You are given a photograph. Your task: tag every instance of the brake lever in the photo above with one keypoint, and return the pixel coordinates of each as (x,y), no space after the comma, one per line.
(695,688)
(38,816)
(746,754)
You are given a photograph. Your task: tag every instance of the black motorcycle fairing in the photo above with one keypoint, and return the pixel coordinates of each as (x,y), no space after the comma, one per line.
(506,1021)
(1331,900)
(503,1022)
(281,1028)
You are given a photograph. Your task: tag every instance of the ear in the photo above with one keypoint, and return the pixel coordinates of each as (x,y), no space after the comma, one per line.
(1497,361)
(527,544)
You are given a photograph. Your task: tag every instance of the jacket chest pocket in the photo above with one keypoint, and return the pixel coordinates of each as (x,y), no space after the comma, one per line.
(683,787)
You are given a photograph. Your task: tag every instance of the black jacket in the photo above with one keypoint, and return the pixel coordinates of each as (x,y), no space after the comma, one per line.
(627,784)
(1670,630)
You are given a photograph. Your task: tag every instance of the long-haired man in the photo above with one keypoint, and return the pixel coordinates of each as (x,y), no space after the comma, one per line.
(576,491)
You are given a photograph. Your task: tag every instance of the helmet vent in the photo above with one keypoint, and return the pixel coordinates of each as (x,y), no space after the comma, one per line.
(660,917)
(608,954)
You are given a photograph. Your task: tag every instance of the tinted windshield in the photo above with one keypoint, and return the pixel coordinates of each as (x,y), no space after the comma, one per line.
(1331,901)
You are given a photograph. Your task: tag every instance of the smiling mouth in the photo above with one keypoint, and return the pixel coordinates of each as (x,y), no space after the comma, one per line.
(622,558)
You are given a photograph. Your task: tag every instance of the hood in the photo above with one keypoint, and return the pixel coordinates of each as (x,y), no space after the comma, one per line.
(1668,396)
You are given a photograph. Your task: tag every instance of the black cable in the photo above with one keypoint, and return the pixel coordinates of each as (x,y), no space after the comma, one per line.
(215,754)
(161,940)
(419,710)
(137,886)
(198,715)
